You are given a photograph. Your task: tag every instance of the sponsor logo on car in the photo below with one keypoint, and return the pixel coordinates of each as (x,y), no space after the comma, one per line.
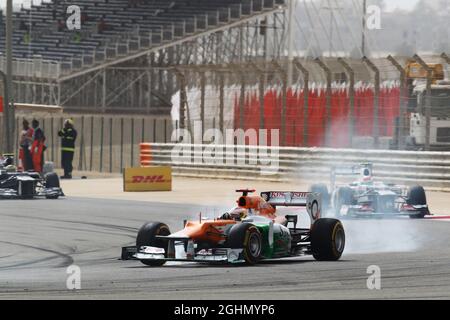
(291,194)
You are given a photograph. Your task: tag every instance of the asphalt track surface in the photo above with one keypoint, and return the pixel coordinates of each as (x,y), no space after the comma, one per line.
(39,239)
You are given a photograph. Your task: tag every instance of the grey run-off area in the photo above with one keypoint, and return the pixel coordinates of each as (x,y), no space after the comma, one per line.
(40,239)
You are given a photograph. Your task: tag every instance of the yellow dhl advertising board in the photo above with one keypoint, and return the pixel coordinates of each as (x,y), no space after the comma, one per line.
(147,179)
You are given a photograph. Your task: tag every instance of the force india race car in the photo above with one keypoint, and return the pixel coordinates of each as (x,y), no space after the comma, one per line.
(26,185)
(246,234)
(365,197)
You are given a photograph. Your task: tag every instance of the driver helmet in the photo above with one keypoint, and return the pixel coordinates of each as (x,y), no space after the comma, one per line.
(366,175)
(238,213)
(8,161)
(10,168)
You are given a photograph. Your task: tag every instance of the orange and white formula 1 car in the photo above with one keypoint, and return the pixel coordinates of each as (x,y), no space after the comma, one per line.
(249,232)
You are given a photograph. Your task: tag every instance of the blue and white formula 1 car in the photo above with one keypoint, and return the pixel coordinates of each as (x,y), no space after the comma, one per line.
(26,185)
(367,198)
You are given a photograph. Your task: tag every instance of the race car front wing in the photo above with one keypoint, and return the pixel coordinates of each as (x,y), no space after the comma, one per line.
(45,192)
(214,255)
(365,211)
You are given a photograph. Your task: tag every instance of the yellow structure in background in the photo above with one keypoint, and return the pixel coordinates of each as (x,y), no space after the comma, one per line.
(147,179)
(415,71)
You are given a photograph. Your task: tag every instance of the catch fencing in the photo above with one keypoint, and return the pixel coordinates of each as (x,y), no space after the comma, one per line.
(328,102)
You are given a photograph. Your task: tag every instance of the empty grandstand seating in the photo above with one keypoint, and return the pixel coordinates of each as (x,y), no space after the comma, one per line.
(127,26)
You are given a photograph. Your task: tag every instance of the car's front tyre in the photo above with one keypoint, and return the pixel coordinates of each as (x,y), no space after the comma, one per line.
(246,236)
(416,197)
(52,181)
(147,237)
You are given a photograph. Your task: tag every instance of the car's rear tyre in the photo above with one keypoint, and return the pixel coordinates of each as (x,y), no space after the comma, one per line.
(52,181)
(322,189)
(344,196)
(327,239)
(147,237)
(416,197)
(246,236)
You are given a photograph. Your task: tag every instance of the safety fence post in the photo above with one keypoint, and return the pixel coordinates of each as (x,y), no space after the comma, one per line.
(284,79)
(400,136)
(8,115)
(183,97)
(92,144)
(16,138)
(376,100)
(143,130)
(221,100)
(165,130)
(154,130)
(121,144)
(305,73)
(132,143)
(327,123)
(242,101)
(110,144)
(59,145)
(81,138)
(43,122)
(102,125)
(241,76)
(104,86)
(351,93)
(202,102)
(429,72)
(52,128)
(261,91)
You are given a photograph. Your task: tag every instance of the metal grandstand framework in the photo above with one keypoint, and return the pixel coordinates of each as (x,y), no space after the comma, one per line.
(143,81)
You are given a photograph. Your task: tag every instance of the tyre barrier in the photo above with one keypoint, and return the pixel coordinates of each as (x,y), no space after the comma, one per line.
(145,154)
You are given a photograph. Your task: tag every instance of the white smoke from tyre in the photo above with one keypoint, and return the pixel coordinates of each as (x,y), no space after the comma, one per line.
(383,235)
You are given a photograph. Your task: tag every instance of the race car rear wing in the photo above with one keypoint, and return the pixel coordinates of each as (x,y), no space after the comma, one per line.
(286,198)
(312,201)
(349,170)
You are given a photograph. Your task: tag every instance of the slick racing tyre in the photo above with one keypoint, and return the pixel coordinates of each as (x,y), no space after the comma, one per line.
(247,237)
(416,197)
(52,181)
(327,239)
(343,197)
(147,237)
(322,189)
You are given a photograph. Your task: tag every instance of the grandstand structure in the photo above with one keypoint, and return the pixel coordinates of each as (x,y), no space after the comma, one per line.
(123,57)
